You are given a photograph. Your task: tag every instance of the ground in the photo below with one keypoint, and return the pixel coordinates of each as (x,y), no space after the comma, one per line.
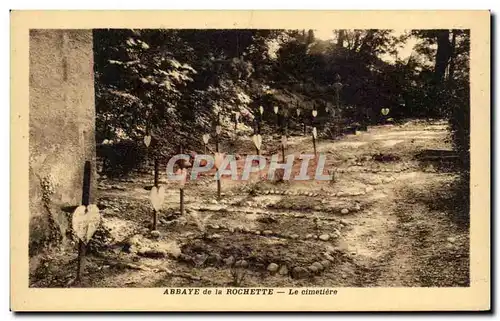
(387,220)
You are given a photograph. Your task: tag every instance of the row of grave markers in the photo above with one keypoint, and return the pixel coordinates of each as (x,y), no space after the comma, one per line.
(157,195)
(86,217)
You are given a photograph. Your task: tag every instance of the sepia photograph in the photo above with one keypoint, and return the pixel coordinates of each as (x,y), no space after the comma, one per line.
(250,159)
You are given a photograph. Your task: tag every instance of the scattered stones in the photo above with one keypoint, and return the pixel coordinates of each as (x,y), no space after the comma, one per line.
(318,266)
(267,232)
(241,263)
(299,272)
(313,269)
(329,257)
(326,263)
(155,234)
(324,237)
(229,261)
(214,259)
(344,211)
(283,270)
(215,236)
(272,267)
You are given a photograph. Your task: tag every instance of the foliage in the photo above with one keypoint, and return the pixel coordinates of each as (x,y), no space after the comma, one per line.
(175,84)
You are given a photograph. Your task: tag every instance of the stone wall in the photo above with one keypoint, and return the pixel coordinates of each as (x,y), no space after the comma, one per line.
(62,130)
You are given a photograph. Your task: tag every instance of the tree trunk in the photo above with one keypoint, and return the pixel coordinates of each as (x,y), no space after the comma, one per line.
(442,56)
(451,71)
(340,39)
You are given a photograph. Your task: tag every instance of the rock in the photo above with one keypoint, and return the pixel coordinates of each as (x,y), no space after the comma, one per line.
(199,259)
(214,226)
(272,267)
(329,257)
(241,263)
(283,270)
(324,237)
(257,232)
(369,189)
(163,221)
(309,236)
(315,237)
(214,259)
(299,272)
(213,202)
(451,239)
(155,234)
(294,236)
(341,221)
(326,263)
(357,207)
(230,229)
(318,266)
(229,261)
(215,236)
(267,232)
(344,211)
(313,269)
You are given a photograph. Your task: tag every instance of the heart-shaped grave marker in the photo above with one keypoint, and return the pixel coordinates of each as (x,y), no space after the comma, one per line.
(315,113)
(85,221)
(298,112)
(183,174)
(314,132)
(218,129)
(147,140)
(275,109)
(157,197)
(261,110)
(257,141)
(327,109)
(385,111)
(205,138)
(218,158)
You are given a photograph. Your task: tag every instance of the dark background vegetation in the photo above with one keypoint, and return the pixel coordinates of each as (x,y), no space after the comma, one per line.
(173,83)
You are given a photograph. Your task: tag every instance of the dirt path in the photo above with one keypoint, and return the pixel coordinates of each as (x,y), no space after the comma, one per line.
(384,221)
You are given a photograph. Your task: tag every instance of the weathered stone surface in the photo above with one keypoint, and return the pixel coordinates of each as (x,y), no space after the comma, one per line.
(61,132)
(319,266)
(272,267)
(155,233)
(324,237)
(299,272)
(229,261)
(283,270)
(267,232)
(241,263)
